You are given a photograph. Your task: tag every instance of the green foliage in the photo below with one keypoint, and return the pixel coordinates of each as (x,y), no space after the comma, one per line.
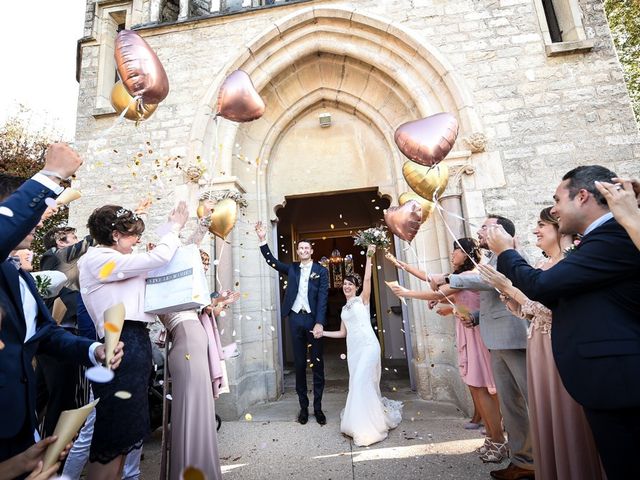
(624,21)
(22,152)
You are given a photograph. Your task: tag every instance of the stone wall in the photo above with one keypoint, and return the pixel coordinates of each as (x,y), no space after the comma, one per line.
(541,116)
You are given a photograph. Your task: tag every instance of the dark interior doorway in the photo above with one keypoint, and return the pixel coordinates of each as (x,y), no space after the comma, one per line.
(329,221)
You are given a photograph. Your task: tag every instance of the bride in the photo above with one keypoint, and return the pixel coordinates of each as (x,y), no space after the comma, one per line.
(367,416)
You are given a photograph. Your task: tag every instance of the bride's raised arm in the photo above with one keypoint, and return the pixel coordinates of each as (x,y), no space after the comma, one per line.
(366,281)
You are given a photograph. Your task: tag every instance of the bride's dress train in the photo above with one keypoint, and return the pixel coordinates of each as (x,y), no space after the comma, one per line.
(367,416)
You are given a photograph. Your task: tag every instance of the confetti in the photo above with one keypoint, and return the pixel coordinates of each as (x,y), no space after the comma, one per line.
(187,356)
(111,327)
(50,202)
(248,417)
(99,374)
(7,212)
(343,356)
(169,397)
(273,329)
(106,270)
(122,395)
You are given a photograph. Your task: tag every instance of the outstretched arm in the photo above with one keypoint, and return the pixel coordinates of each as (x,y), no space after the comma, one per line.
(342,333)
(366,281)
(416,272)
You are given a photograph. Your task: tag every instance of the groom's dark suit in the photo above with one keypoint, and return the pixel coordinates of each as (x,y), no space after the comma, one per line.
(594,295)
(301,323)
(20,214)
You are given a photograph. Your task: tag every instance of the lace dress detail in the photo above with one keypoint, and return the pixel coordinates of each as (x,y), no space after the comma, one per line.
(539,315)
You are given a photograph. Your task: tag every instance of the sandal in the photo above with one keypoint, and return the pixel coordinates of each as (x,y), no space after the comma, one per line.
(495,452)
(472,426)
(483,448)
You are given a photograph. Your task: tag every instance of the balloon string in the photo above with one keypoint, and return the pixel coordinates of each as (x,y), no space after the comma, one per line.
(218,282)
(120,118)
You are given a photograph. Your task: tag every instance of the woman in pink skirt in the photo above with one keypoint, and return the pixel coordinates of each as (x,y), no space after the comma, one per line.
(474,361)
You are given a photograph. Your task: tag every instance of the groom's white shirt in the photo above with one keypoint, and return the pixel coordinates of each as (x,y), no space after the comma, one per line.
(302,299)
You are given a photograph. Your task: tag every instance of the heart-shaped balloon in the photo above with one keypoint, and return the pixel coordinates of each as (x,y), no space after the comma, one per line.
(136,110)
(427,206)
(404,221)
(238,99)
(139,68)
(223,218)
(426,181)
(429,140)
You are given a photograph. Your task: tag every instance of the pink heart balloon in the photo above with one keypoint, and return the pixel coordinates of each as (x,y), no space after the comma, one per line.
(404,221)
(429,140)
(238,99)
(139,68)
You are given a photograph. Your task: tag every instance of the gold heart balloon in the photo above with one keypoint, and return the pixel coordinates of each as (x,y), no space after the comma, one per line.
(136,110)
(426,181)
(223,218)
(427,206)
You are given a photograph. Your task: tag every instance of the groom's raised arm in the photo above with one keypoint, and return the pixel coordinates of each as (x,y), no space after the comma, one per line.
(273,261)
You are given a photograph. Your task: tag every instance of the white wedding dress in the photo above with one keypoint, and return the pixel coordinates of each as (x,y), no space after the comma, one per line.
(367,416)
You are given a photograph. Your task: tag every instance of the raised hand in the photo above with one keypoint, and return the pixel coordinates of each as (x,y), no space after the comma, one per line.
(180,214)
(143,206)
(499,240)
(260,231)
(61,159)
(494,278)
(622,199)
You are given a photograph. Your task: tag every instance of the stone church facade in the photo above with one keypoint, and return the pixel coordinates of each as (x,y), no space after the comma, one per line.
(535,93)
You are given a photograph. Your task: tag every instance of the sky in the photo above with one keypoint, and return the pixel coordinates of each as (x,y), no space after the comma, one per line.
(38,58)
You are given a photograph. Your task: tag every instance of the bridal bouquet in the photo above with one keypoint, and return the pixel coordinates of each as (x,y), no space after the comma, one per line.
(373,236)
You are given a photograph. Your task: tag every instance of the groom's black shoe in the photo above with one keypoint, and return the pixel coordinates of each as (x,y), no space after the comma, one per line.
(320,418)
(303,416)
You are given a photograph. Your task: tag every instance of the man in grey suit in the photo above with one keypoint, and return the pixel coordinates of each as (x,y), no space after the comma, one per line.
(505,335)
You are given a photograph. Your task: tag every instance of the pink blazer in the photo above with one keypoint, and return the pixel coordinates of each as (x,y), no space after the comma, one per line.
(125,282)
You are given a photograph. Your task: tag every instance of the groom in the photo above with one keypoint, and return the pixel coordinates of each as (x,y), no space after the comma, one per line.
(305,303)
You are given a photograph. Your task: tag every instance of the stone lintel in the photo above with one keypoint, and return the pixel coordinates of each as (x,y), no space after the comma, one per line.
(226,183)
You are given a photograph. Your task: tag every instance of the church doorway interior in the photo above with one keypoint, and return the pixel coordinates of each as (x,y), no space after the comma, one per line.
(329,221)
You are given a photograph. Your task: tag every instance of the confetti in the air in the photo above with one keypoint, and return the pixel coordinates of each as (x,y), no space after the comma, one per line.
(122,395)
(106,269)
(343,356)
(248,417)
(111,327)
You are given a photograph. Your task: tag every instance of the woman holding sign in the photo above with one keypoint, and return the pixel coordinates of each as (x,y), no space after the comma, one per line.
(111,273)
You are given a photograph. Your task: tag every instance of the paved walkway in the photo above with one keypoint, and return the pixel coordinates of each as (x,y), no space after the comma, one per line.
(429,443)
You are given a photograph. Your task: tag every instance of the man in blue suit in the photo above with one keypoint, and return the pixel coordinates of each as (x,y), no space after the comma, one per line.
(27,327)
(305,303)
(594,295)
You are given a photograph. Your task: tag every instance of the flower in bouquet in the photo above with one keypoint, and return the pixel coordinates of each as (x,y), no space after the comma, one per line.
(376,236)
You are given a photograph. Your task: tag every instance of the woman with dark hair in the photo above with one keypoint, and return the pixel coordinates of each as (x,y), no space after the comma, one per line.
(563,445)
(111,273)
(367,417)
(474,361)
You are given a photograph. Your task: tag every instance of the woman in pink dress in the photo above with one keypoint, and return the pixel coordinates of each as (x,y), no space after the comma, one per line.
(563,445)
(474,361)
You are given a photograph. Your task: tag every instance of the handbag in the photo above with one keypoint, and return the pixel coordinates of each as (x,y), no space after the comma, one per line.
(179,285)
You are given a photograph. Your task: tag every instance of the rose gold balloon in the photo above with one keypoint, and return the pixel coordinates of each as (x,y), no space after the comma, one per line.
(404,221)
(140,69)
(429,140)
(238,99)
(426,181)
(427,206)
(136,110)
(223,218)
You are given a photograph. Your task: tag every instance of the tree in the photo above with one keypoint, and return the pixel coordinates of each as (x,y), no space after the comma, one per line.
(624,21)
(22,153)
